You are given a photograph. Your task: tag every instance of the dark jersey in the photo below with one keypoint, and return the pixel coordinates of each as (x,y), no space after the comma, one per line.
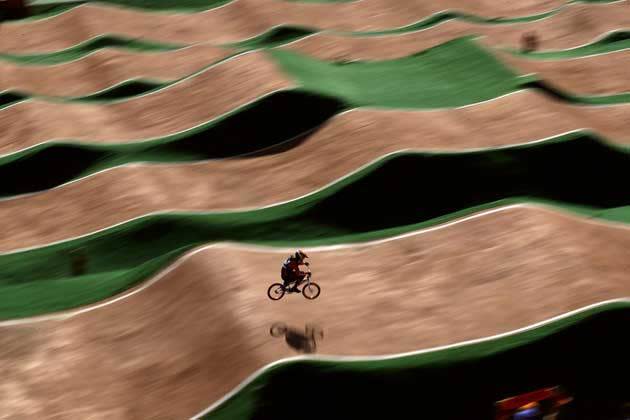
(290,268)
(291,263)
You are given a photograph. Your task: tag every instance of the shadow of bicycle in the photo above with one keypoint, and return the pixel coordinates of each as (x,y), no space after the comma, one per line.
(302,341)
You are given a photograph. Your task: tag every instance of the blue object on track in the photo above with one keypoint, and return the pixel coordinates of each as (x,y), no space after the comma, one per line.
(529,414)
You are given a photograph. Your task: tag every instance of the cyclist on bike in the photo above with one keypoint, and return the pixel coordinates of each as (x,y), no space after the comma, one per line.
(291,272)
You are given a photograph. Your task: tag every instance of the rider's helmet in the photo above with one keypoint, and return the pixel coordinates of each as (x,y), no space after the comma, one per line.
(300,255)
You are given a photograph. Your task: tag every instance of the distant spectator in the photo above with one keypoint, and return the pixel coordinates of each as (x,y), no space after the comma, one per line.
(529,42)
(78,263)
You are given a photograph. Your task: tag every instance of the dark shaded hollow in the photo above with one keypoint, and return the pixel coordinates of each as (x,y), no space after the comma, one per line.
(271,125)
(413,188)
(587,359)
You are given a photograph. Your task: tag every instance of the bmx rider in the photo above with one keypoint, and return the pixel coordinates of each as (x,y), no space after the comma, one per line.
(291,272)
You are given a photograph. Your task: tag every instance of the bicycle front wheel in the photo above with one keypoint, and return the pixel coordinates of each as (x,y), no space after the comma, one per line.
(311,291)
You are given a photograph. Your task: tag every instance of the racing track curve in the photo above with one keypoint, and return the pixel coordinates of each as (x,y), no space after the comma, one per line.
(179,344)
(350,140)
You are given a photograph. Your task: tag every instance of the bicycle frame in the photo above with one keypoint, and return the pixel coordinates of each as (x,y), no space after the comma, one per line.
(307,279)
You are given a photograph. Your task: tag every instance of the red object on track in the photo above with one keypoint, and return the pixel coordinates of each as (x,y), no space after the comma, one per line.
(507,407)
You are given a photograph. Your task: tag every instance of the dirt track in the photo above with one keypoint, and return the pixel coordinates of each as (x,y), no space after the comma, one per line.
(247,77)
(105,68)
(344,144)
(243,79)
(239,20)
(174,348)
(575,25)
(597,75)
(182,106)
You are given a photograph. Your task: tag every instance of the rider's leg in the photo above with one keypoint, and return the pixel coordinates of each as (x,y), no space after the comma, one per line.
(289,283)
(286,278)
(298,280)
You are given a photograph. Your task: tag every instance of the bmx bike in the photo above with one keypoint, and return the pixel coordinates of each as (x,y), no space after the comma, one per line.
(310,290)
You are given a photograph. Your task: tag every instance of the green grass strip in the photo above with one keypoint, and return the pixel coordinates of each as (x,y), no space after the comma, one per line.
(584,352)
(367,205)
(457,73)
(87,47)
(452,74)
(80,290)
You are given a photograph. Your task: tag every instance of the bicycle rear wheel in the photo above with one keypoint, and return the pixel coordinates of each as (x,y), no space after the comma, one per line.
(275,291)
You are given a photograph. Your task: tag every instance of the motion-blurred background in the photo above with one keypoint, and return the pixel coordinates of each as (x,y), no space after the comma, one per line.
(455,171)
